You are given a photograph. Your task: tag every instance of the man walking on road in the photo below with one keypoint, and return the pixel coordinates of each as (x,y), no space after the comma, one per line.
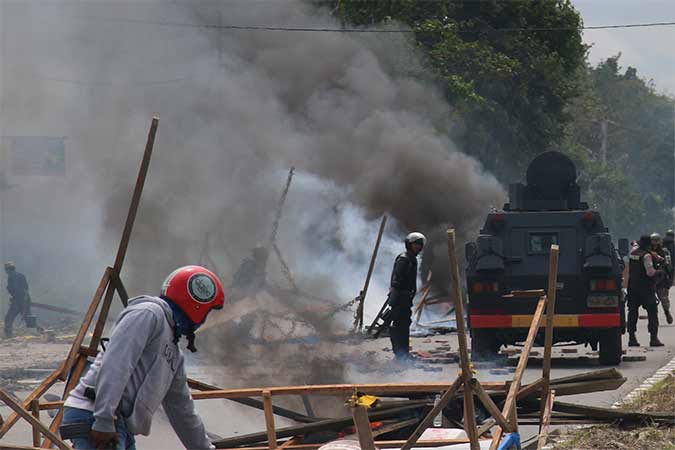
(642,292)
(19,300)
(143,367)
(401,293)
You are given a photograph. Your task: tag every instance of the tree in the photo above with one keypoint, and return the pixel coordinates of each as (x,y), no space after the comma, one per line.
(633,185)
(509,86)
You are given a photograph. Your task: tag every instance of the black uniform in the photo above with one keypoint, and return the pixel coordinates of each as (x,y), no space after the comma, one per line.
(17,286)
(401,294)
(641,292)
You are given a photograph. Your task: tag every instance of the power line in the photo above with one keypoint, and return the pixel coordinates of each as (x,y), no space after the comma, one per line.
(370,30)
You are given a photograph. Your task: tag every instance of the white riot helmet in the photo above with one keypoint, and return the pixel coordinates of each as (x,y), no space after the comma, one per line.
(415,238)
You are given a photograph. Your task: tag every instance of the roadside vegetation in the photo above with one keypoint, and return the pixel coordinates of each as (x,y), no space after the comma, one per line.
(661,398)
(517,93)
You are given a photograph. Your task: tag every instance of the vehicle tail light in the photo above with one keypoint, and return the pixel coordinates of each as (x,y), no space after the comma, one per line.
(588,219)
(484,287)
(497,221)
(603,285)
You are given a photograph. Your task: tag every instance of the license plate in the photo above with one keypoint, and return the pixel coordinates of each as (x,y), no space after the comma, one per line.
(602,301)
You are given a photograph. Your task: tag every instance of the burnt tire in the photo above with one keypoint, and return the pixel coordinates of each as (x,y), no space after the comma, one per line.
(610,347)
(484,345)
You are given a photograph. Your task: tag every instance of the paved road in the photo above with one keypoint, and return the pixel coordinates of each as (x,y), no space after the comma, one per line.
(227,419)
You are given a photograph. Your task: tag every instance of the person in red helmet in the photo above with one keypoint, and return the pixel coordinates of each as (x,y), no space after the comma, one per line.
(143,367)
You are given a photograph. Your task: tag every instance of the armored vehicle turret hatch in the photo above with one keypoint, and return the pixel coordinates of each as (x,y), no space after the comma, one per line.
(511,254)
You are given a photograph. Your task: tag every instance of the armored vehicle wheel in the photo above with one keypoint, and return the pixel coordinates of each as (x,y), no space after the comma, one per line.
(610,347)
(484,344)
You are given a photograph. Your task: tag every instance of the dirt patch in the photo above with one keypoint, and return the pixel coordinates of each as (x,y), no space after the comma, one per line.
(660,398)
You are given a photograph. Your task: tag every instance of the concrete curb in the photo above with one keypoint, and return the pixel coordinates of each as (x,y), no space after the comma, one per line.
(647,384)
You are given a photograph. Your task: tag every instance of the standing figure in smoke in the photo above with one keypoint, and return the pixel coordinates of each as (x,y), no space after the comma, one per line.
(401,293)
(143,367)
(19,300)
(251,274)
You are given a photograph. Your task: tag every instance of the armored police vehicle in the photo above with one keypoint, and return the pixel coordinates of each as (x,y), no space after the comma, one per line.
(512,254)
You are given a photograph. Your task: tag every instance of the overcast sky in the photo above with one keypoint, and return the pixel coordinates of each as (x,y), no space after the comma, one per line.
(650,50)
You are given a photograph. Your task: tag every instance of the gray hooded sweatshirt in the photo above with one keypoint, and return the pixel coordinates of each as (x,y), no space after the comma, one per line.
(141,369)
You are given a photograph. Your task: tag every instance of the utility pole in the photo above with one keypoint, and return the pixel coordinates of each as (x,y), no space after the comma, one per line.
(603,144)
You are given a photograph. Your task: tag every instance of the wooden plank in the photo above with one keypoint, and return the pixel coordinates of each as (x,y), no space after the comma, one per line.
(291,441)
(423,300)
(86,323)
(35,410)
(467,375)
(121,289)
(9,401)
(378,444)
(435,411)
(36,394)
(603,374)
(394,427)
(363,431)
(550,317)
(532,293)
(269,420)
(509,409)
(341,389)
(494,411)
(546,420)
(486,426)
(358,323)
(79,368)
(530,389)
(136,196)
(255,403)
(17,447)
(588,386)
(324,425)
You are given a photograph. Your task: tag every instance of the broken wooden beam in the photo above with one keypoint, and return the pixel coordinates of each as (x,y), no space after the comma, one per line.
(255,403)
(18,408)
(324,425)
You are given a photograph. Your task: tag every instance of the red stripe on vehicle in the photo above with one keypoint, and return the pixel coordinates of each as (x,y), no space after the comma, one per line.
(599,320)
(490,321)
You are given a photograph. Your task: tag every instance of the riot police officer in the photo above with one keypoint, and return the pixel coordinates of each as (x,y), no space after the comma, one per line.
(401,293)
(642,292)
(663,282)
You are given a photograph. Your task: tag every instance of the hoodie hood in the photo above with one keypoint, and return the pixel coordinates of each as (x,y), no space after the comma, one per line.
(168,313)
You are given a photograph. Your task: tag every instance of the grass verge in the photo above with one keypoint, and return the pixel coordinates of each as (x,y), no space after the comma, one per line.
(660,398)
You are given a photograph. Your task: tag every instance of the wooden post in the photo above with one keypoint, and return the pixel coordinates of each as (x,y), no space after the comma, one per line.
(467,375)
(269,420)
(494,411)
(436,410)
(423,300)
(36,394)
(35,409)
(116,269)
(363,430)
(88,318)
(546,419)
(9,401)
(509,410)
(550,315)
(358,322)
